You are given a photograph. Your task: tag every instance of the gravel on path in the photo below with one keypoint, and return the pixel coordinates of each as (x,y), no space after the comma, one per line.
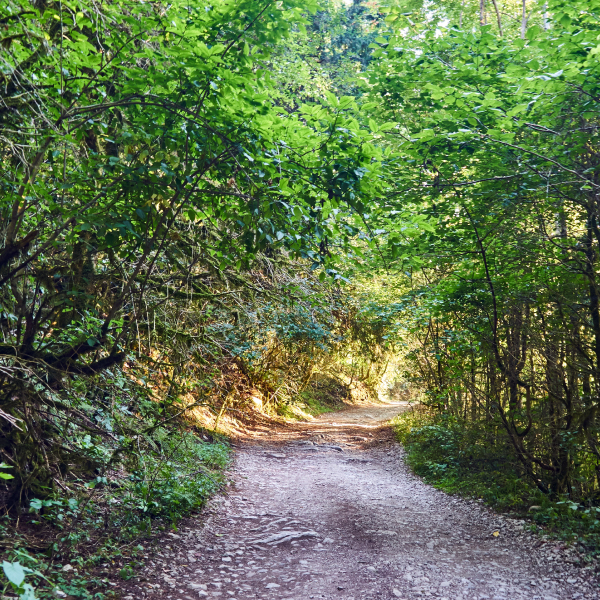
(328,510)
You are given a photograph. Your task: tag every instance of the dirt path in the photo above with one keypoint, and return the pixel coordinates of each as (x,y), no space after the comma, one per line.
(328,510)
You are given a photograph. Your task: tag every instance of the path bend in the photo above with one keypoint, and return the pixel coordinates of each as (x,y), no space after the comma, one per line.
(328,510)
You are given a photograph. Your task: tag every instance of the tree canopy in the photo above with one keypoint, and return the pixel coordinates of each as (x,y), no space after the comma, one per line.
(207,202)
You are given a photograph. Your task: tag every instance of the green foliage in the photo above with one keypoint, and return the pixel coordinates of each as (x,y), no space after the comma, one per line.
(174,482)
(146,161)
(187,191)
(17,575)
(322,395)
(3,475)
(316,403)
(496,311)
(501,17)
(175,476)
(33,578)
(494,295)
(327,55)
(471,461)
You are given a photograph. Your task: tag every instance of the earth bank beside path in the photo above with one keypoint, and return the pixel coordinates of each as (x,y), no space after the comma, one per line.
(329,510)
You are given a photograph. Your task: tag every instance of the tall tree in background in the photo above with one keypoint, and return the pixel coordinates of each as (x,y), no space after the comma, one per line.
(505,17)
(327,54)
(497,142)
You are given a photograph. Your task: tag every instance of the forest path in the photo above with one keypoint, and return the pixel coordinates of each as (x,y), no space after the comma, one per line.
(328,510)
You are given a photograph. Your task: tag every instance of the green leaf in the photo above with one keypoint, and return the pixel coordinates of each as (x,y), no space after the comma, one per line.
(28,593)
(4,465)
(368,105)
(35,504)
(331,98)
(533,32)
(564,19)
(14,573)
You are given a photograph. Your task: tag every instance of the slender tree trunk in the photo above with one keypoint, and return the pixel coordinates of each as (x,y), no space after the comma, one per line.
(594,304)
(554,440)
(498,17)
(473,396)
(560,224)
(482,19)
(491,397)
(524,20)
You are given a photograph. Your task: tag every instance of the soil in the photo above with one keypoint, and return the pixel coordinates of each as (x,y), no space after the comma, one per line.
(328,510)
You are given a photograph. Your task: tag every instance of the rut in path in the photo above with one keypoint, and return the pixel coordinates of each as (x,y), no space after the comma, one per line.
(330,511)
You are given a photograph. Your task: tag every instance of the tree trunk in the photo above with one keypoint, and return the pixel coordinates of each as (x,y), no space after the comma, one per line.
(524,20)
(498,17)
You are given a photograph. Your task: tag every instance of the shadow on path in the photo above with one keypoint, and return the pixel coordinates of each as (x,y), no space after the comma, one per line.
(328,510)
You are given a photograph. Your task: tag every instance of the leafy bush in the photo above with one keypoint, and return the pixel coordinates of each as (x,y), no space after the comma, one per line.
(16,573)
(175,475)
(170,483)
(177,481)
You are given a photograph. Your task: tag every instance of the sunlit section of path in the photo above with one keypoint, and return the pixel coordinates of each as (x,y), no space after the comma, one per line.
(329,510)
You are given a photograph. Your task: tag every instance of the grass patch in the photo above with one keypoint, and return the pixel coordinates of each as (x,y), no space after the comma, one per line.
(323,395)
(316,404)
(305,408)
(476,461)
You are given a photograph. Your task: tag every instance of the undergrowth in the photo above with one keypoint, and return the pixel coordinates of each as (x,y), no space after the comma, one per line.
(305,407)
(324,394)
(476,461)
(69,544)
(315,405)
